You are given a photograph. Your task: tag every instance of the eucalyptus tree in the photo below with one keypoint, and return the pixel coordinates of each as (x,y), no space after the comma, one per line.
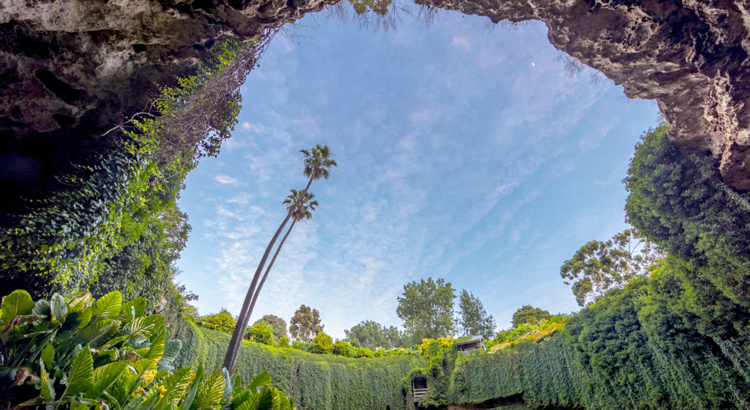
(317,163)
(298,212)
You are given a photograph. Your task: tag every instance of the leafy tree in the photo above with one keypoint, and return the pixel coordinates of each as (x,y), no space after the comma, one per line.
(260,333)
(372,335)
(299,206)
(305,324)
(530,315)
(426,307)
(283,342)
(317,163)
(473,319)
(322,344)
(679,201)
(600,266)
(221,321)
(277,324)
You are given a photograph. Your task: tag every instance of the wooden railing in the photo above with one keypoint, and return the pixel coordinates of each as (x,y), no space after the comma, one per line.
(418,393)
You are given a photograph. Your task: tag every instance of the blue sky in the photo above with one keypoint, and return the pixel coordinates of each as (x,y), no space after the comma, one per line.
(465,152)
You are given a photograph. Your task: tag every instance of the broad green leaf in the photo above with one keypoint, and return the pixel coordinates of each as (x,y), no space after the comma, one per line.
(85,318)
(134,403)
(197,382)
(250,404)
(171,351)
(211,393)
(266,399)
(58,306)
(99,333)
(108,306)
(284,403)
(106,376)
(156,350)
(240,398)
(144,327)
(48,355)
(17,303)
(260,380)
(41,308)
(79,303)
(81,374)
(48,393)
(136,307)
(176,385)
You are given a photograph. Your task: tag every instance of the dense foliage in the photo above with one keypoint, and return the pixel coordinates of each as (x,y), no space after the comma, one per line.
(277,324)
(305,324)
(473,320)
(529,315)
(426,307)
(107,227)
(603,265)
(373,335)
(315,381)
(260,332)
(86,354)
(222,321)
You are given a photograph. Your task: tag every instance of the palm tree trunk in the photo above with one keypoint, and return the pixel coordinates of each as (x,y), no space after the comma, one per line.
(235,342)
(270,265)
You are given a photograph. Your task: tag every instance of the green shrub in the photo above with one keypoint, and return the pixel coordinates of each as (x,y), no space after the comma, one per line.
(260,332)
(283,342)
(322,344)
(303,346)
(342,348)
(221,321)
(365,352)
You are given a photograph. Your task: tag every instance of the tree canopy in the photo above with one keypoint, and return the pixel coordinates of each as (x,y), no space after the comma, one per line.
(372,335)
(473,319)
(305,324)
(529,314)
(426,307)
(603,265)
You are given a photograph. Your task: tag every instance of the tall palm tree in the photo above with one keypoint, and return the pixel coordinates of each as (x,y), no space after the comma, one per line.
(317,164)
(307,204)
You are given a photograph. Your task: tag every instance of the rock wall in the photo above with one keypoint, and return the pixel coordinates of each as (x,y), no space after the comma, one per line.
(72,69)
(692,56)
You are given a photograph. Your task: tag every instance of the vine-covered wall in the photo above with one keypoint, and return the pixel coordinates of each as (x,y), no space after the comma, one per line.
(317,382)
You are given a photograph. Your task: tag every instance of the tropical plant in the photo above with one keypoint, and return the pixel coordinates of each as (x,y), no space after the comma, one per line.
(300,207)
(86,354)
(426,307)
(600,266)
(473,319)
(260,333)
(305,324)
(317,163)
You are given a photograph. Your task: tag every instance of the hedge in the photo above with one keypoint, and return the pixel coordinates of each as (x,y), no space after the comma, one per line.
(317,382)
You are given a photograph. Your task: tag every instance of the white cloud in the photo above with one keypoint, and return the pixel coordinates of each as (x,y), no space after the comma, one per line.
(227,180)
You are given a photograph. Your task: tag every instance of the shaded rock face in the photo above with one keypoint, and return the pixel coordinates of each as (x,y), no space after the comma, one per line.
(692,56)
(72,69)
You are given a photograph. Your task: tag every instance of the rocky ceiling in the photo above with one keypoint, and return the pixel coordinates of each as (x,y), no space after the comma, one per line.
(72,69)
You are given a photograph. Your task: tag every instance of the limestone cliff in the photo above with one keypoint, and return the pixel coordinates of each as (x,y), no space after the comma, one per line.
(71,69)
(692,56)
